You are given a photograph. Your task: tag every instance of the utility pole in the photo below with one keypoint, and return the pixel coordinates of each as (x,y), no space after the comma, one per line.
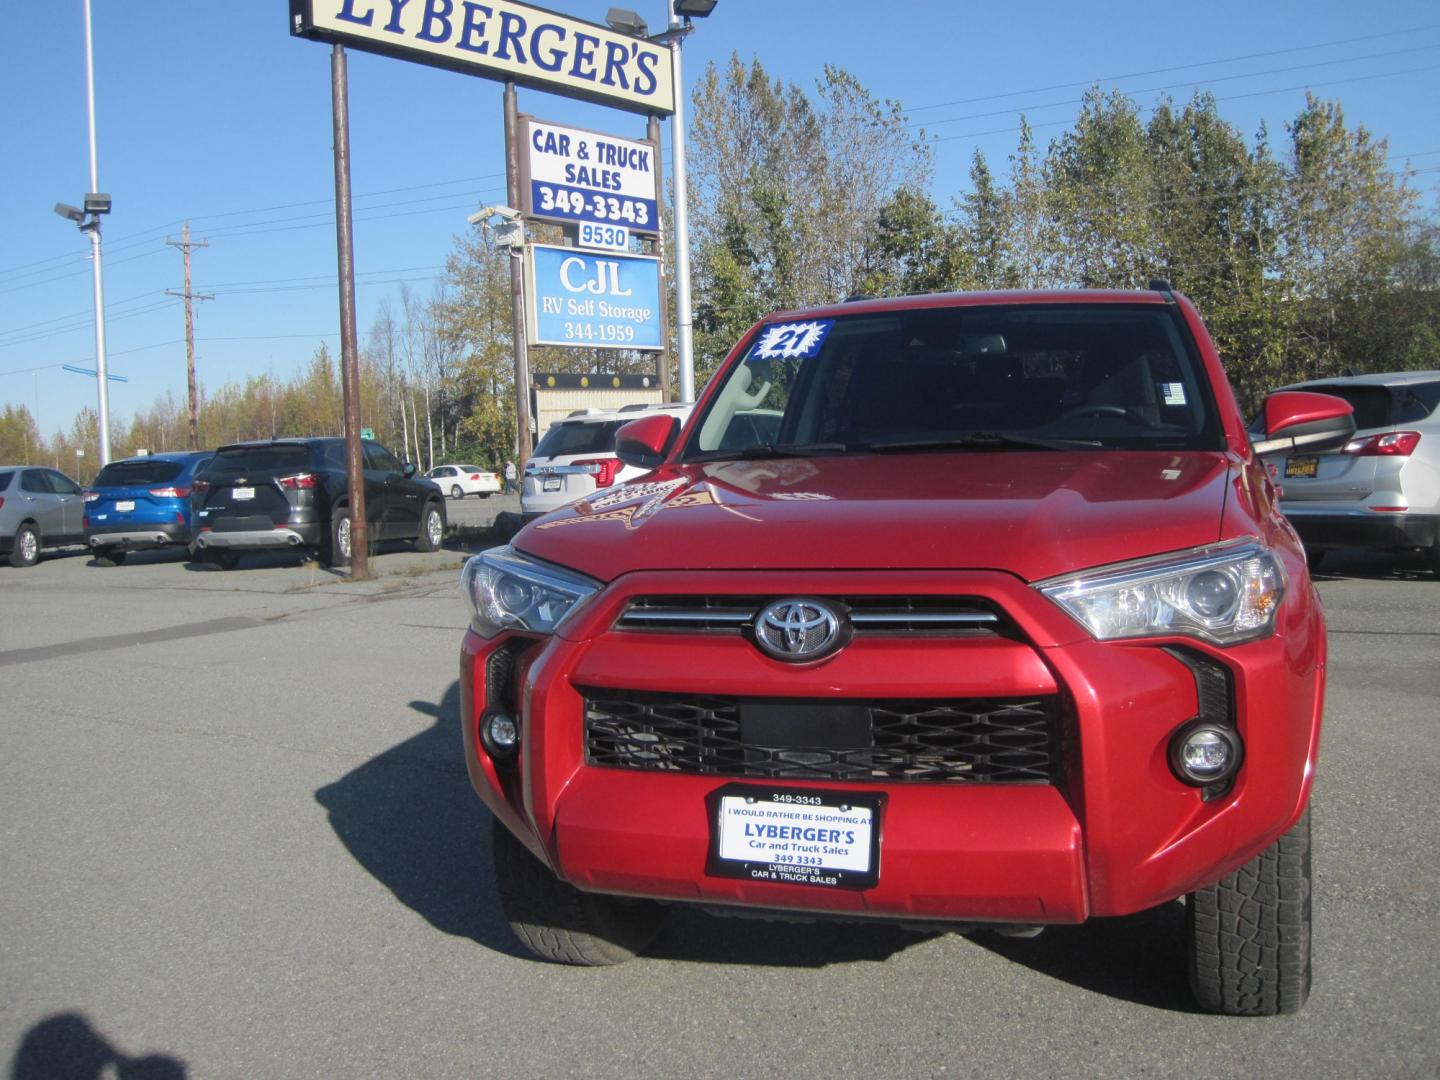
(185,245)
(517,285)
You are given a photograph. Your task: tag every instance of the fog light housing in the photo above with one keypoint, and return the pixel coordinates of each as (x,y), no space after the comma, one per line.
(1205,754)
(500,734)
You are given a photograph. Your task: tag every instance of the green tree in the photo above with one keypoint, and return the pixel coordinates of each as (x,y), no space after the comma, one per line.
(20,442)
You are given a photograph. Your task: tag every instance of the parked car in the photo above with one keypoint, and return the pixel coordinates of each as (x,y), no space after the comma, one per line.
(1381,491)
(457,481)
(141,502)
(576,457)
(1001,627)
(294,493)
(39,508)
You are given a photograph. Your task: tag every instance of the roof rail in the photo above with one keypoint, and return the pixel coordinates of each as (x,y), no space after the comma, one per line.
(1159,284)
(637,406)
(857,297)
(584,412)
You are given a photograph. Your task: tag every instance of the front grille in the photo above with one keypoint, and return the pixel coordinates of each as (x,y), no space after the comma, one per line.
(928,615)
(973,740)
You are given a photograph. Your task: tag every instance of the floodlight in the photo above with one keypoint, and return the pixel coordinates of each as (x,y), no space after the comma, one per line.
(74,213)
(625,21)
(97,202)
(694,9)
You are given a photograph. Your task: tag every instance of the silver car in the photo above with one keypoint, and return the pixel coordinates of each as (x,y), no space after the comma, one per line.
(1381,492)
(39,508)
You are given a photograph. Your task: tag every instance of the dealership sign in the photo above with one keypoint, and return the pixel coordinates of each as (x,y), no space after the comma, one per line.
(501,39)
(592,299)
(569,174)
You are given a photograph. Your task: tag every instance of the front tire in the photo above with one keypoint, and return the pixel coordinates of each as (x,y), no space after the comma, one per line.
(26,549)
(220,558)
(1247,937)
(109,557)
(432,529)
(558,922)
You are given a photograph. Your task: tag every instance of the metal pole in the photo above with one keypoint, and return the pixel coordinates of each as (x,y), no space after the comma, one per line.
(349,362)
(662,361)
(102,385)
(517,284)
(684,320)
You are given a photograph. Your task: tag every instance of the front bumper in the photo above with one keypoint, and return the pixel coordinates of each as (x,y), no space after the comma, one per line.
(1365,529)
(1116,833)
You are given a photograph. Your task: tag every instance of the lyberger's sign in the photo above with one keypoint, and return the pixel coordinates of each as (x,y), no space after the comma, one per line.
(500,39)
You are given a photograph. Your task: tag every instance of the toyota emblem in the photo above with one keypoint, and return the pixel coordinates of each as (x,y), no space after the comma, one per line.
(799,629)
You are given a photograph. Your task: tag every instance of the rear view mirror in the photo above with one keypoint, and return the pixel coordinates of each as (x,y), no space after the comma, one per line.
(643,443)
(1298,420)
(409,469)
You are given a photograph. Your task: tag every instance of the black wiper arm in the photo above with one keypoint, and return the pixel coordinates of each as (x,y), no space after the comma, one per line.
(987,440)
(771,450)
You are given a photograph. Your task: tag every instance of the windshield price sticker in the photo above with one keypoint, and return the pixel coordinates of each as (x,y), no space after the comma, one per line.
(792,341)
(574,175)
(821,838)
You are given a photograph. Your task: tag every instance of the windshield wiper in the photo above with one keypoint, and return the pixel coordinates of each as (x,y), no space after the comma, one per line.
(987,440)
(772,450)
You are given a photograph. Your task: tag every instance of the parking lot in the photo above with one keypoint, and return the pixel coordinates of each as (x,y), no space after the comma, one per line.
(238,840)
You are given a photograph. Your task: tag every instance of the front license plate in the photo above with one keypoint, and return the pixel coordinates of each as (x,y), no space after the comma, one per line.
(1301,467)
(825,838)
(242,494)
(122,505)
(552,484)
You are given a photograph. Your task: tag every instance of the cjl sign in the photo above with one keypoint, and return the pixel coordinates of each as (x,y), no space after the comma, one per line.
(591,299)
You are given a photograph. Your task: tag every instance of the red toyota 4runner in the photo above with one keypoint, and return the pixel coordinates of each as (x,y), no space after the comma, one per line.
(992,622)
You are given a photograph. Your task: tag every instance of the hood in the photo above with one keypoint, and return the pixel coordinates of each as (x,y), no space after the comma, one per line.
(1035,514)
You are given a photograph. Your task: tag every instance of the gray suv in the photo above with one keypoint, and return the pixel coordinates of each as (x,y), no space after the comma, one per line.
(1382,490)
(39,508)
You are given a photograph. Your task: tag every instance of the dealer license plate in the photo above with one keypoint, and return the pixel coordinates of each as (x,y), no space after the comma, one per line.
(1301,467)
(241,494)
(124,504)
(825,838)
(552,483)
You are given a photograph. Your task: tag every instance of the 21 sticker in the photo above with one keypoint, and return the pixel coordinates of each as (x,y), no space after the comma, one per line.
(792,341)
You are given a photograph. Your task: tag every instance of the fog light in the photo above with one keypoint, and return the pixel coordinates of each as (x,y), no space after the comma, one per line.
(1205,754)
(500,734)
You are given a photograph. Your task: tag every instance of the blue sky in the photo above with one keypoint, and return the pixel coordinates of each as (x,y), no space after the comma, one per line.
(209,111)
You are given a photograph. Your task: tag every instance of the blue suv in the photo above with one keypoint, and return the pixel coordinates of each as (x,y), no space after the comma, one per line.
(141,502)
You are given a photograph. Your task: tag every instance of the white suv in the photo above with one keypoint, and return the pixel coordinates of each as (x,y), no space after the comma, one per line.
(576,457)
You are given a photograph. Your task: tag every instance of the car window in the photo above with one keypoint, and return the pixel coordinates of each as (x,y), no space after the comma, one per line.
(579,437)
(134,473)
(62,484)
(1416,403)
(240,460)
(33,480)
(1123,376)
(442,470)
(5,478)
(380,459)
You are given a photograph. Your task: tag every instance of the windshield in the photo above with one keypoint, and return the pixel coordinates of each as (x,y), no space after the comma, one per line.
(579,437)
(1015,376)
(277,458)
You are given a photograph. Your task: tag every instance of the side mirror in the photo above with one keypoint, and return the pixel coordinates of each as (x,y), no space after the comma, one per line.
(1298,420)
(409,469)
(643,443)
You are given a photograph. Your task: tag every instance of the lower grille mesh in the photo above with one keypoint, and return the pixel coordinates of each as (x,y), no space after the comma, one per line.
(963,741)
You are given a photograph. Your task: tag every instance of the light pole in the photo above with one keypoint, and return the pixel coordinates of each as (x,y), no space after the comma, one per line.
(681,12)
(88,220)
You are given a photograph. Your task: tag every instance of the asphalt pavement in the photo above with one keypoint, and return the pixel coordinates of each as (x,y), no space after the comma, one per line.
(237,840)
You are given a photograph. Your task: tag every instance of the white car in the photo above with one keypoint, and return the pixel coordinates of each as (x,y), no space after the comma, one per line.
(576,457)
(457,481)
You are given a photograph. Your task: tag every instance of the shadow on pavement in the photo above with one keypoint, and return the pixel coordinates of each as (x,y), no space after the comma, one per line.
(409,817)
(66,1047)
(1138,958)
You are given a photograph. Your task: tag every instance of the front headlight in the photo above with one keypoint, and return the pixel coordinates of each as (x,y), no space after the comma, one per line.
(1226,593)
(510,591)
